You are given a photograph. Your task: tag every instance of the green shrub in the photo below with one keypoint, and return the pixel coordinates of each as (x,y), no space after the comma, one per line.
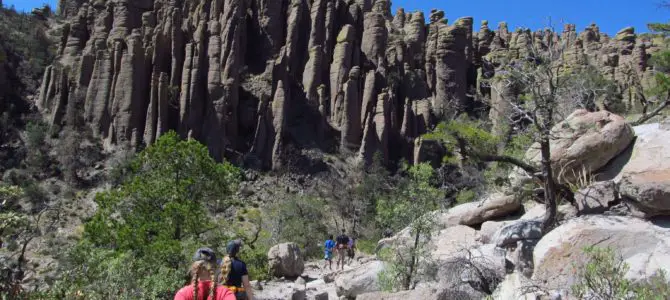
(410,206)
(603,278)
(299,219)
(462,135)
(37,155)
(466,196)
(139,243)
(366,246)
(257,262)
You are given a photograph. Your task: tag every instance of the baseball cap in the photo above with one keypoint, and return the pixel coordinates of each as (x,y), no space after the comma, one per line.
(206,254)
(233,247)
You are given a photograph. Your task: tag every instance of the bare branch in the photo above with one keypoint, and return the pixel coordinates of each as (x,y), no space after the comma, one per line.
(655,112)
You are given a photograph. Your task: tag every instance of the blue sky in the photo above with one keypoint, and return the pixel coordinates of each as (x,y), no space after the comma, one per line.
(610,15)
(28,5)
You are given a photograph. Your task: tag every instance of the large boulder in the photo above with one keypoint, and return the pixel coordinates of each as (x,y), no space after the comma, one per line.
(285,260)
(432,293)
(536,211)
(450,241)
(517,231)
(583,143)
(363,279)
(427,292)
(519,239)
(474,272)
(644,179)
(489,229)
(641,244)
(475,213)
(517,287)
(455,233)
(596,198)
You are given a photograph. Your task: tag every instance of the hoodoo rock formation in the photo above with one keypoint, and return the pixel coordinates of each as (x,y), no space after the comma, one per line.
(251,76)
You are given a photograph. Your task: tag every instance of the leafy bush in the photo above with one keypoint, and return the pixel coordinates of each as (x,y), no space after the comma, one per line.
(603,278)
(466,196)
(299,219)
(410,206)
(464,136)
(37,158)
(139,242)
(414,196)
(366,246)
(257,261)
(257,241)
(26,37)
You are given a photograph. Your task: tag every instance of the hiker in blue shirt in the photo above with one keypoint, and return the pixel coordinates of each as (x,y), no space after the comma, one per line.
(329,246)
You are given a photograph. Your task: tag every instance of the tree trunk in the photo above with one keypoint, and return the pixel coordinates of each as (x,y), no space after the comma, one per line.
(412,262)
(549,185)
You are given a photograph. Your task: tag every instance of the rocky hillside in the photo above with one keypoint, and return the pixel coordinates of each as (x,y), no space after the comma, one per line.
(24,52)
(251,77)
(494,248)
(312,88)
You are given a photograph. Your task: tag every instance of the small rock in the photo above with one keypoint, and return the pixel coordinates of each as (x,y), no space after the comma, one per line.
(321,296)
(300,282)
(328,278)
(299,294)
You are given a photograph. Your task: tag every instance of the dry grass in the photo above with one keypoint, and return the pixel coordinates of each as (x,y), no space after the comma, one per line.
(578,179)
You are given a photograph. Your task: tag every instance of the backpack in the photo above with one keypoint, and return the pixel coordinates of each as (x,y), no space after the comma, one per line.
(342,240)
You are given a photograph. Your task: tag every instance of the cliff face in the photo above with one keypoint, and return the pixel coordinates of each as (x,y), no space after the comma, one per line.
(250,76)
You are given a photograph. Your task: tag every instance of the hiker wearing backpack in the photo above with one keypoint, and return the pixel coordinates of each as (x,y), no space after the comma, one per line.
(351,249)
(234,272)
(203,279)
(329,246)
(342,245)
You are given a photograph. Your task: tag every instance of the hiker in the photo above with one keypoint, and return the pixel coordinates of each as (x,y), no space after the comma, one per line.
(203,276)
(388,233)
(351,247)
(329,246)
(235,274)
(342,244)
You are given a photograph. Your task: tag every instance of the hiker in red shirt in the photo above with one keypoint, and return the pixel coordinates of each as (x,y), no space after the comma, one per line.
(203,274)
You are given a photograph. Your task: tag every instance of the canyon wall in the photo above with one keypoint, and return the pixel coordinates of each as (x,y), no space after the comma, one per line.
(250,77)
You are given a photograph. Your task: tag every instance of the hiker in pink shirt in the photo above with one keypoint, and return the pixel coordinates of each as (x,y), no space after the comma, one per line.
(203,274)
